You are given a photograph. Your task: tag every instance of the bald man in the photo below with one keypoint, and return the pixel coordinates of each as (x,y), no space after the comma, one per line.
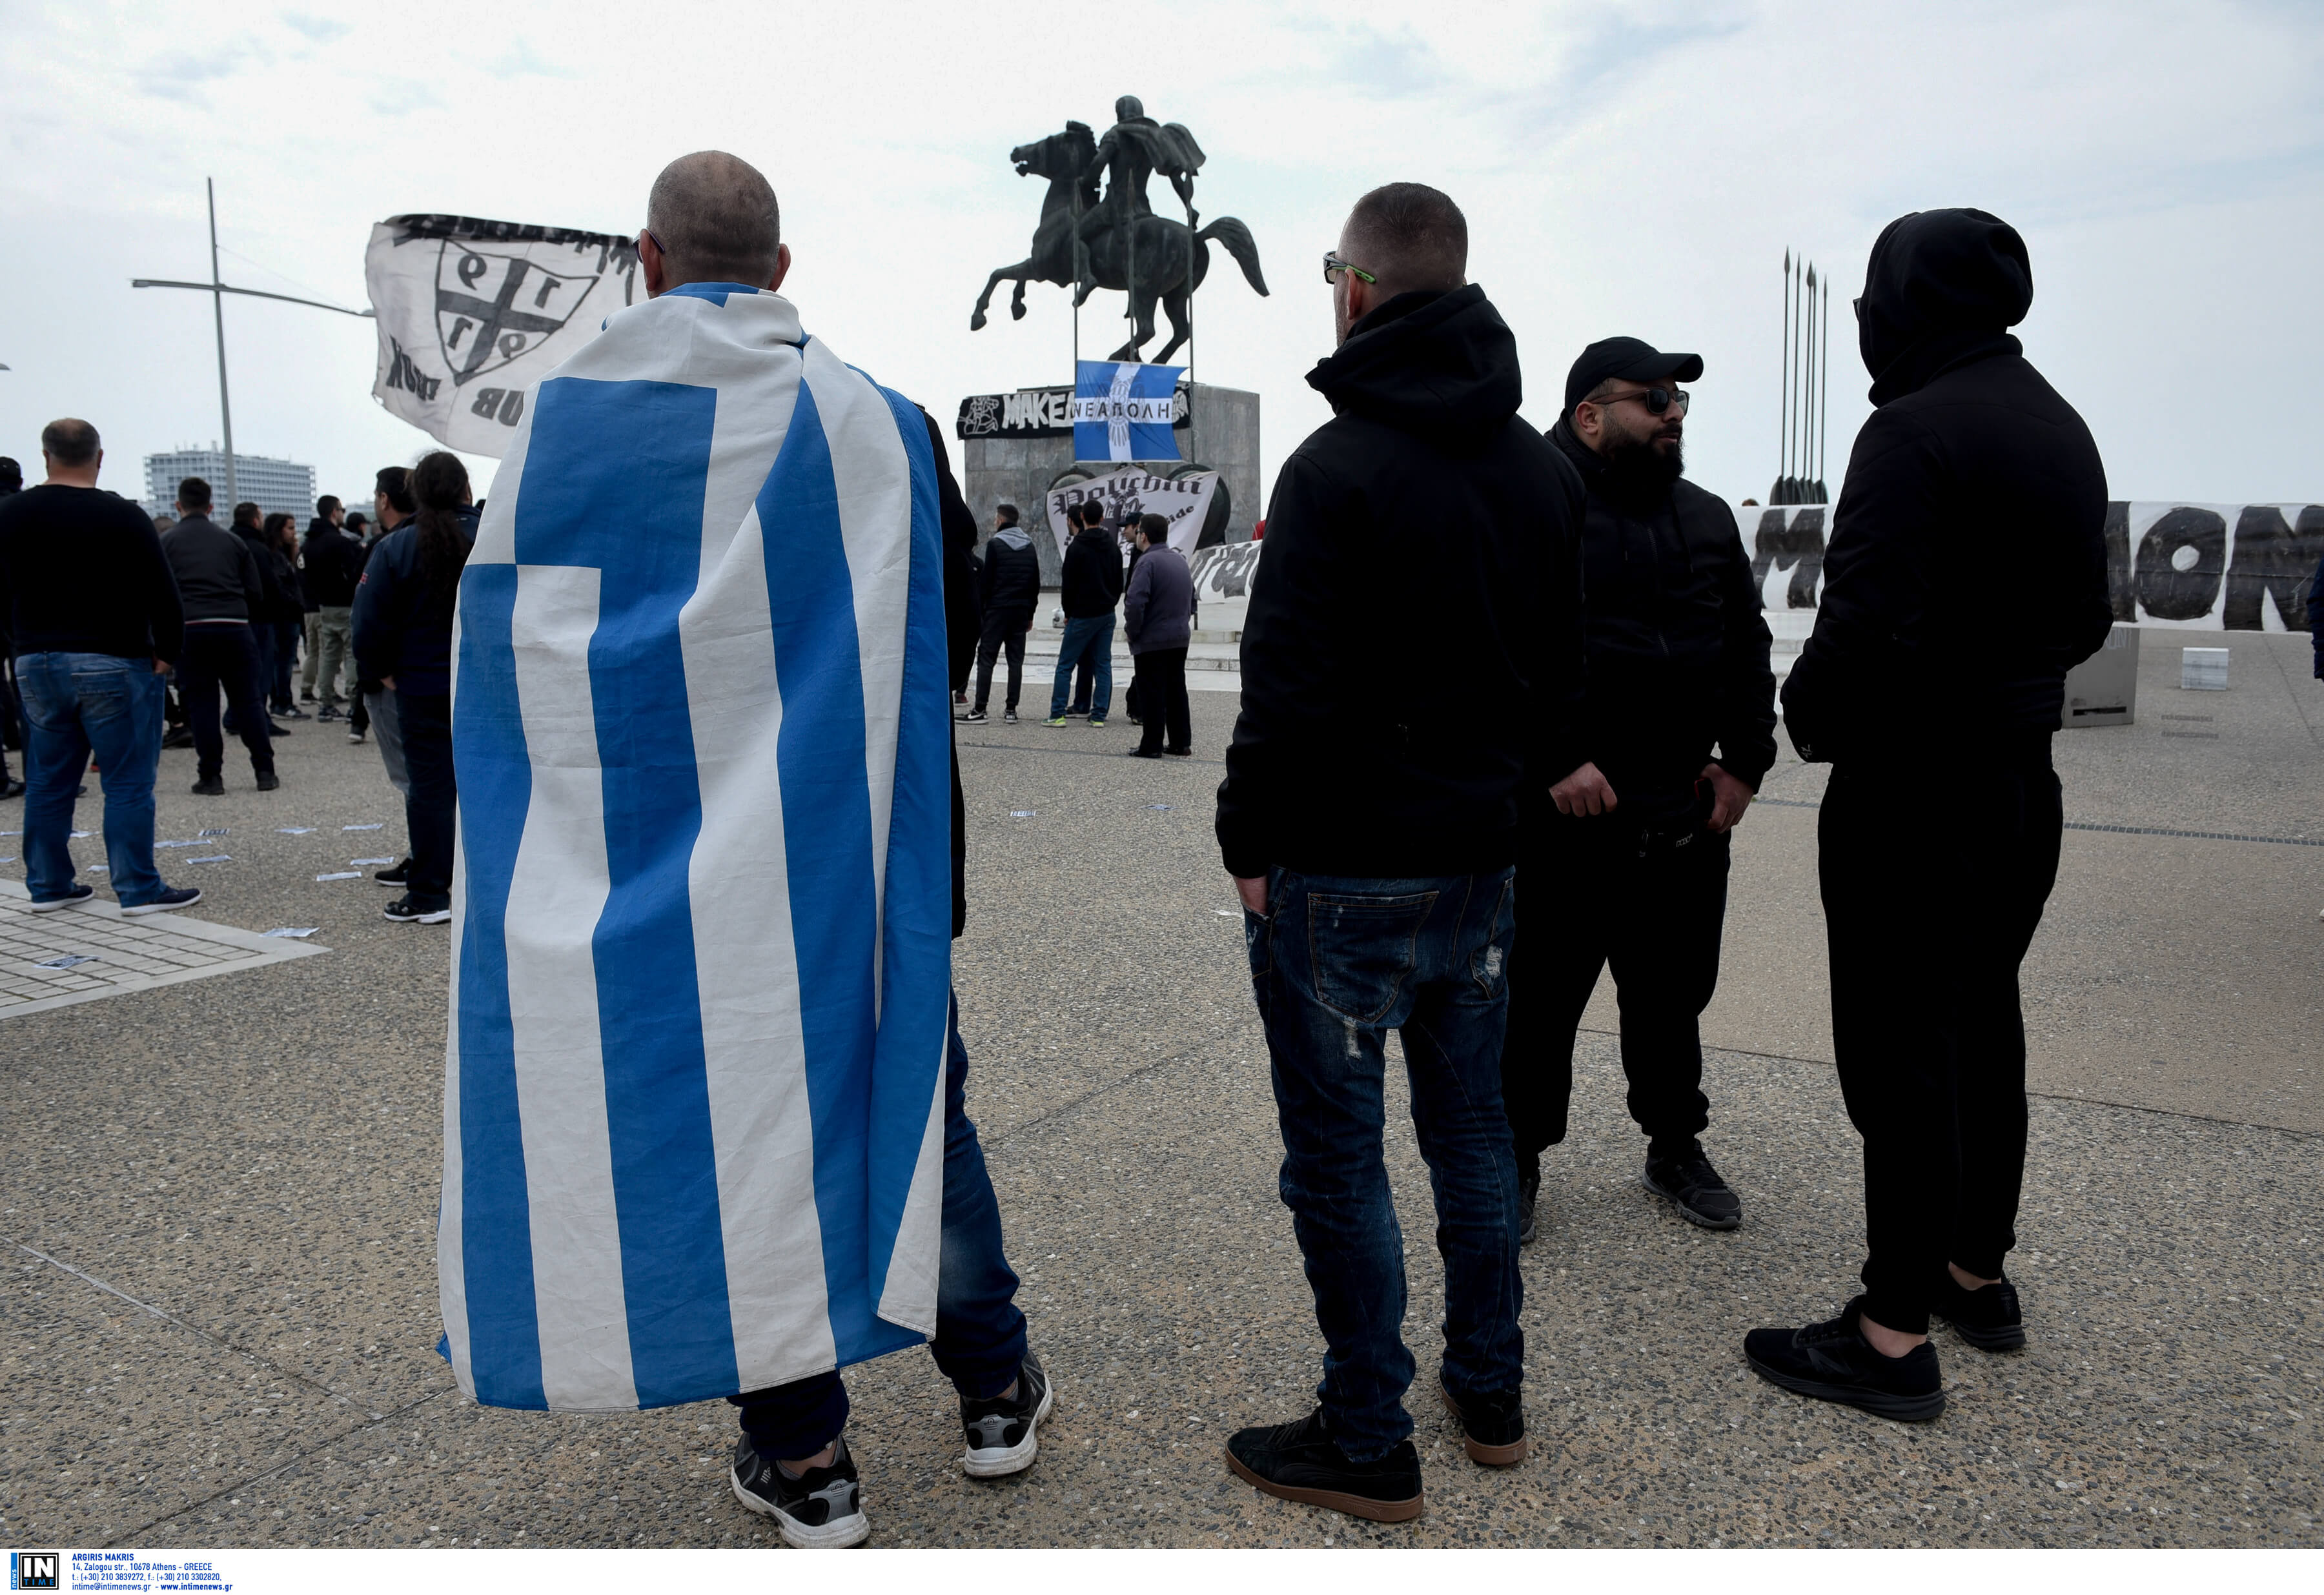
(710,833)
(1410,661)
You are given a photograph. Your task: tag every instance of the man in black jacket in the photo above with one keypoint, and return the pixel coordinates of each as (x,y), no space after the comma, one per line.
(1010,586)
(1636,839)
(219,579)
(1092,587)
(274,603)
(1929,921)
(1409,661)
(335,559)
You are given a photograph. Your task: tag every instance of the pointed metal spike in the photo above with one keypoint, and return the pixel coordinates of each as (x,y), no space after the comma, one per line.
(1787,260)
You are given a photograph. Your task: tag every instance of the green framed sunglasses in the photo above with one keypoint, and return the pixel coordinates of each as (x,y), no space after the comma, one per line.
(1332,263)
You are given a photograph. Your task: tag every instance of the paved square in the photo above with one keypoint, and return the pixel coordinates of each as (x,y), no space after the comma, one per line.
(92,949)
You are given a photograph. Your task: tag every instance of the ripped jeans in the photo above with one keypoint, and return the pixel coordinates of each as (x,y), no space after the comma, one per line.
(1335,964)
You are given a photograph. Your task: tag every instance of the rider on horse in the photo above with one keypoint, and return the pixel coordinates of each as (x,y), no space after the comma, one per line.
(1133,149)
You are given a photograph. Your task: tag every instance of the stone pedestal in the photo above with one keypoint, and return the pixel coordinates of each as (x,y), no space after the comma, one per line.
(1222,434)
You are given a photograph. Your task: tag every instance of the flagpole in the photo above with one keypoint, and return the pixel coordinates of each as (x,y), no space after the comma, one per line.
(1783,427)
(218,312)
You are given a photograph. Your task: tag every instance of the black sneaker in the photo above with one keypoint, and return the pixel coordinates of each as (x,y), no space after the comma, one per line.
(293,712)
(10,787)
(1987,1318)
(178,736)
(400,875)
(1687,1178)
(268,781)
(1832,1361)
(172,897)
(411,913)
(77,894)
(974,717)
(1142,753)
(1492,1427)
(1000,1431)
(1301,1462)
(1528,1198)
(822,1509)
(209,786)
(1009,717)
(273,729)
(328,713)
(355,736)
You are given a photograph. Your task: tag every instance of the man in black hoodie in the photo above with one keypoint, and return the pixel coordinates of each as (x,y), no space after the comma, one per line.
(1636,839)
(1092,587)
(1409,662)
(335,557)
(1929,913)
(1009,585)
(218,580)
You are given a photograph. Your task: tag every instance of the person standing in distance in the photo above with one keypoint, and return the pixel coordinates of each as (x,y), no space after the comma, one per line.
(1929,923)
(88,599)
(1092,587)
(1159,614)
(1635,843)
(219,582)
(1369,819)
(1008,587)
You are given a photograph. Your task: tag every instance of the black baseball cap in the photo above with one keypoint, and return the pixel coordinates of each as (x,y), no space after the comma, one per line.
(1630,359)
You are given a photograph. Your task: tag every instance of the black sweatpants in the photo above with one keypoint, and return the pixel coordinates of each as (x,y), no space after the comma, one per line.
(224,656)
(1161,696)
(1586,899)
(1928,924)
(429,810)
(1003,629)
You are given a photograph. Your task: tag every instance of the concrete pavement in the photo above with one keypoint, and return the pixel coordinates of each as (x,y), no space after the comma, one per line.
(220,1201)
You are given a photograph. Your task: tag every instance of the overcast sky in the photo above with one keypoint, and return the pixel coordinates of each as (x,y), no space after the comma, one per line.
(1635,167)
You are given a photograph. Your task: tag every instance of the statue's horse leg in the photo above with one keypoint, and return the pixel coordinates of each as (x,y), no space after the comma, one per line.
(1174,304)
(1021,271)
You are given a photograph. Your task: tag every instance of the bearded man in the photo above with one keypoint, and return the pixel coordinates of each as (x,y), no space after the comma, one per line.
(1626,863)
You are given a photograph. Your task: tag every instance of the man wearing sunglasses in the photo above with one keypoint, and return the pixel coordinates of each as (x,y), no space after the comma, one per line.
(1636,839)
(1409,662)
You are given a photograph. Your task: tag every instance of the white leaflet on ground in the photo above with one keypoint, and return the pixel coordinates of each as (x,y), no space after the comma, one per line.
(342,875)
(296,932)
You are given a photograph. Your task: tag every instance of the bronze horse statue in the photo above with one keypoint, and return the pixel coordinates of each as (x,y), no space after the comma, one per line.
(1163,250)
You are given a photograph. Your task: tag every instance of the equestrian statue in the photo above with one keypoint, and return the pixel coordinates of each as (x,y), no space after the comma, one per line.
(1087,240)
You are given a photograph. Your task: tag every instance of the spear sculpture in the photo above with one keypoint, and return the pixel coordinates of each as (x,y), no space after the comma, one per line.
(1810,485)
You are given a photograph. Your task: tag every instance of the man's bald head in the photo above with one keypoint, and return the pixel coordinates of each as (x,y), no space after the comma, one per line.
(1410,236)
(716,220)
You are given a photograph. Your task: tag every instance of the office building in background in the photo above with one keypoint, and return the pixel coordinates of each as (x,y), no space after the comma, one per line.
(271,484)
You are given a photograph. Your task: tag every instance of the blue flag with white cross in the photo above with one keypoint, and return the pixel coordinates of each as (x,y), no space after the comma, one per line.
(1122,410)
(693,1106)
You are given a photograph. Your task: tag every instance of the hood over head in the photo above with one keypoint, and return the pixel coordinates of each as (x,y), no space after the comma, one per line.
(1939,290)
(1013,537)
(1433,363)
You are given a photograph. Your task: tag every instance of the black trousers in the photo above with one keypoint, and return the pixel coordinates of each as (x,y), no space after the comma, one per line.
(223,656)
(1160,689)
(1588,899)
(1003,629)
(427,812)
(1928,925)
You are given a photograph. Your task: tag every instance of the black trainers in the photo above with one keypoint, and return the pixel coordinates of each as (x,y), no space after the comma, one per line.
(1002,1438)
(171,897)
(209,786)
(268,781)
(1528,1198)
(400,875)
(1009,717)
(974,717)
(1492,1427)
(329,713)
(355,736)
(75,894)
(1301,1462)
(1832,1361)
(822,1509)
(1687,1178)
(1987,1318)
(411,913)
(177,737)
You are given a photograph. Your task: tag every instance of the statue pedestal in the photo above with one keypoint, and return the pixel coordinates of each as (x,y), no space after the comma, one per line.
(1001,468)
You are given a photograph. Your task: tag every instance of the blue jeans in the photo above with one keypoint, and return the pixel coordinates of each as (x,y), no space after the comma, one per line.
(77,704)
(1088,632)
(980,1341)
(1335,964)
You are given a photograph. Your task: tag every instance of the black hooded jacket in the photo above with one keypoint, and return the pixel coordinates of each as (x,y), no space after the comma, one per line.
(1678,651)
(335,559)
(1967,570)
(1411,655)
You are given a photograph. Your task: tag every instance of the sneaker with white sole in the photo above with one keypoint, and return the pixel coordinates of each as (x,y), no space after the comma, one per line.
(408,912)
(77,894)
(1003,1431)
(822,1509)
(171,897)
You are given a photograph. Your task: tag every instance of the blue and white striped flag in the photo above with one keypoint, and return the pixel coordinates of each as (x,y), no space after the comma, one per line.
(1122,410)
(694,1113)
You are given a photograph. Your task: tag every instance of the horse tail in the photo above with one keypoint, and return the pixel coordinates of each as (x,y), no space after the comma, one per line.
(1230,232)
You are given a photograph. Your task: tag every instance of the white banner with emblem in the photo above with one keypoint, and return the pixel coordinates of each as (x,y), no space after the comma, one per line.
(474,313)
(1184,501)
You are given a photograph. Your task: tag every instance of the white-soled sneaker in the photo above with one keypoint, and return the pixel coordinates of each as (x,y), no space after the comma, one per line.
(1003,1432)
(822,1509)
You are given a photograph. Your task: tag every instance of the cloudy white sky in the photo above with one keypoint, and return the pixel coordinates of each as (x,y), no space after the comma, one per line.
(1637,167)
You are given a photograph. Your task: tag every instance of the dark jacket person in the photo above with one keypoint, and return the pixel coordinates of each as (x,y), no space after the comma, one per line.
(1680,724)
(1933,684)
(225,593)
(1410,657)
(1008,586)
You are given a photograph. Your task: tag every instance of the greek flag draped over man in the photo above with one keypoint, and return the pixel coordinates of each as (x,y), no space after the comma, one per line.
(693,1114)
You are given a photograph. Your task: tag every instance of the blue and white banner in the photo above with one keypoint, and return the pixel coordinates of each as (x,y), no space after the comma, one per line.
(1123,410)
(694,1108)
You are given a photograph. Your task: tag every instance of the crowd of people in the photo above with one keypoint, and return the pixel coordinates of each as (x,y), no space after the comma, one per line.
(1563,749)
(124,632)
